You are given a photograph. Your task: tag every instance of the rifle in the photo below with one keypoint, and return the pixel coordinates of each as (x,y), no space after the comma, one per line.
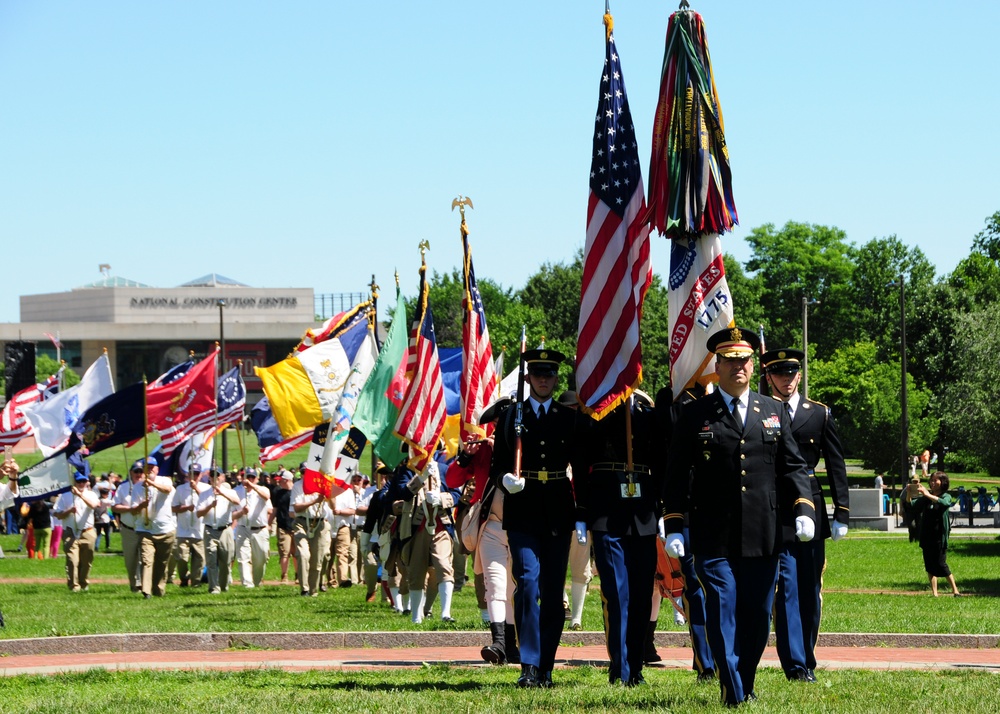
(519,404)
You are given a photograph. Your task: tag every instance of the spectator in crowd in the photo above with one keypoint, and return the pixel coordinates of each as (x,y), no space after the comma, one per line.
(931,507)
(284,522)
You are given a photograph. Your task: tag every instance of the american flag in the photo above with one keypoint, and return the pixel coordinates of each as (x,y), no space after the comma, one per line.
(173,374)
(13,425)
(421,419)
(282,448)
(616,266)
(479,380)
(231,397)
(185,406)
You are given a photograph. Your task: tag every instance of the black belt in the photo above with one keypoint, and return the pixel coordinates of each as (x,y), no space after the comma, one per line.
(217,528)
(543,476)
(257,528)
(620,467)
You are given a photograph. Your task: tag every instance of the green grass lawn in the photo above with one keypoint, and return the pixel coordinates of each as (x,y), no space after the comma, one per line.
(874,583)
(453,689)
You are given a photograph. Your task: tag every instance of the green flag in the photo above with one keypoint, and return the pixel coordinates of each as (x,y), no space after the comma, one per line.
(381,397)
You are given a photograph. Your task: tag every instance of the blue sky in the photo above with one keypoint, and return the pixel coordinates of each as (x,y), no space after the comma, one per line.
(316,143)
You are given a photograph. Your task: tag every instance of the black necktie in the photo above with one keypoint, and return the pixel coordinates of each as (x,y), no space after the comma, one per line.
(736,414)
(788,410)
(541,411)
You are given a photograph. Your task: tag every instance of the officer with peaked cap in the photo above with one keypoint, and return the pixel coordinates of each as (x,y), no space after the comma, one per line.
(800,566)
(538,512)
(730,453)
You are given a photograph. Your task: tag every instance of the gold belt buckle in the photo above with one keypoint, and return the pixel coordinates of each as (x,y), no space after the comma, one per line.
(543,476)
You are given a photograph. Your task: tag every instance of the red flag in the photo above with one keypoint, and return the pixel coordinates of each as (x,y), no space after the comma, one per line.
(616,265)
(479,380)
(185,406)
(313,478)
(422,417)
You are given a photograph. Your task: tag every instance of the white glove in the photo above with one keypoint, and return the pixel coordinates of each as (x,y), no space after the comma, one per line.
(434,498)
(513,484)
(839,530)
(581,533)
(675,545)
(431,471)
(661,530)
(805,528)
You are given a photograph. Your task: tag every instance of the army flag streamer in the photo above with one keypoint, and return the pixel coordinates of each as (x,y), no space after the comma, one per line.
(616,265)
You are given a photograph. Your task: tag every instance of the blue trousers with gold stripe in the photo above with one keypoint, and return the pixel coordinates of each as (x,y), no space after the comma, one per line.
(739,593)
(627,565)
(694,611)
(798,604)
(539,571)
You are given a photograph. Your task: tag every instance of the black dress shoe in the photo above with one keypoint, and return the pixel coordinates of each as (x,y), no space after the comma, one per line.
(801,675)
(811,676)
(706,676)
(635,681)
(529,676)
(750,698)
(545,680)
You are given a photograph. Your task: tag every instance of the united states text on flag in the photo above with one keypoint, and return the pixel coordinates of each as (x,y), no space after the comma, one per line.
(479,381)
(616,268)
(700,304)
(421,418)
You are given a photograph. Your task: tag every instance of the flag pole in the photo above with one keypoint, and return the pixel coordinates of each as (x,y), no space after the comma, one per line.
(145,455)
(374,320)
(519,408)
(239,429)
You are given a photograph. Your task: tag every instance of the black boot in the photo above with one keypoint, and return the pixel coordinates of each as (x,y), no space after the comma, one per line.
(510,644)
(650,654)
(494,653)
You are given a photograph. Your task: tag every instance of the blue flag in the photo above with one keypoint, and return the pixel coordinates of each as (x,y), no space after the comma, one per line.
(264,425)
(117,419)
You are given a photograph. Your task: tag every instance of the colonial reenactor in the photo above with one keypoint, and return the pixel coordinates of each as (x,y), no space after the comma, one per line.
(538,511)
(216,506)
(618,500)
(799,601)
(730,453)
(189,546)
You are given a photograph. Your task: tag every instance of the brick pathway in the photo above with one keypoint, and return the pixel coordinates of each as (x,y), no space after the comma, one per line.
(883,658)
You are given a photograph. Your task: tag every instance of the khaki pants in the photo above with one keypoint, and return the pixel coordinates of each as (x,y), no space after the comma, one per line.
(133,560)
(156,549)
(189,555)
(285,550)
(311,547)
(424,551)
(342,551)
(219,558)
(253,548)
(79,550)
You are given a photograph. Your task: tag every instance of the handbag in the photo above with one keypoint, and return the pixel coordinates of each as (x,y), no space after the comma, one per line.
(472,522)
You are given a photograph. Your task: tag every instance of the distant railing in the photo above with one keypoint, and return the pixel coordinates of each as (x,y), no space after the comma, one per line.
(327,305)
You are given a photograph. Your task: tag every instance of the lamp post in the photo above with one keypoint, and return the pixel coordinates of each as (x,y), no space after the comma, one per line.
(221,302)
(904,419)
(806,302)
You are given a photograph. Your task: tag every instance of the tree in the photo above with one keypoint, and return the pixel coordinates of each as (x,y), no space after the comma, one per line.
(654,330)
(865,396)
(804,260)
(970,403)
(555,290)
(987,241)
(45,367)
(747,296)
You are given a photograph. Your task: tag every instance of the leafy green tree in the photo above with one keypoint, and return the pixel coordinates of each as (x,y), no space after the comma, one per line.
(46,367)
(969,403)
(747,294)
(555,290)
(987,241)
(804,261)
(654,330)
(864,393)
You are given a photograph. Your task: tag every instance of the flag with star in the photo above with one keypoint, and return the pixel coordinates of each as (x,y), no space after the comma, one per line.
(616,264)
(478,380)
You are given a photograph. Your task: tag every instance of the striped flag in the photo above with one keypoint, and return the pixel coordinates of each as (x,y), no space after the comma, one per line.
(185,406)
(173,374)
(421,419)
(337,326)
(13,425)
(479,380)
(616,266)
(283,448)
(700,304)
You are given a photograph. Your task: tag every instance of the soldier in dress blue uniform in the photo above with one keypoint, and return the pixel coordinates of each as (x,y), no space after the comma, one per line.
(620,507)
(538,513)
(730,452)
(800,566)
